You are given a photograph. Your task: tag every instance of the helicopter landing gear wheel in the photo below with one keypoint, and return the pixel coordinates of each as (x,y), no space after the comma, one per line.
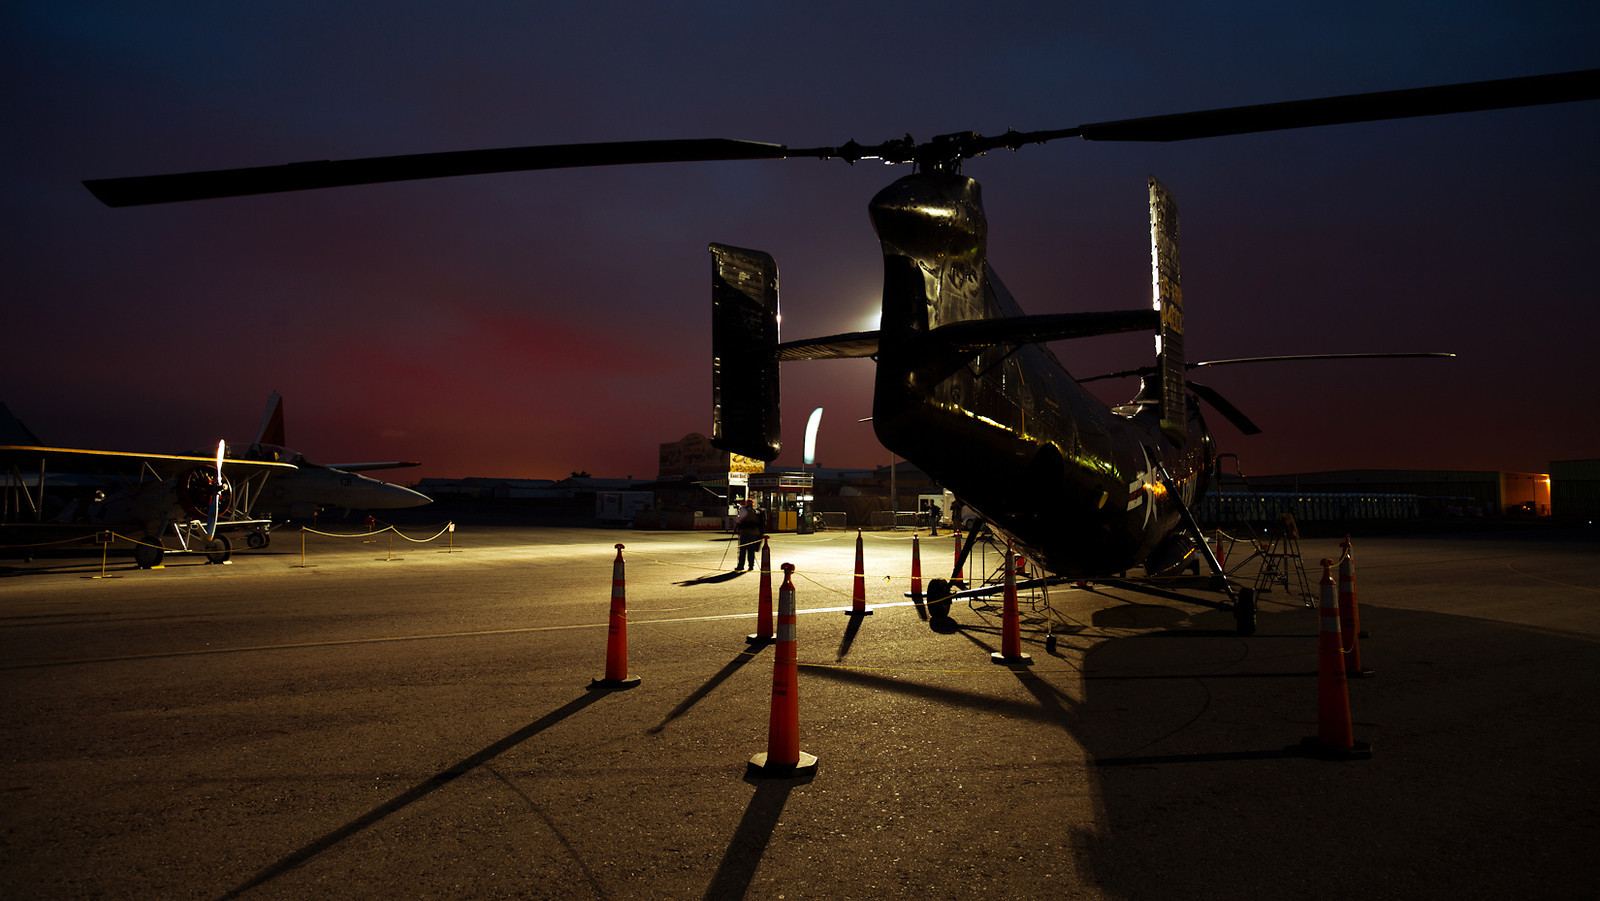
(938,599)
(219,549)
(148,553)
(1244,611)
(258,540)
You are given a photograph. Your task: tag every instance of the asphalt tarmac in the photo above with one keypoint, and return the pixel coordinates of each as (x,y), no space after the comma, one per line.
(413,719)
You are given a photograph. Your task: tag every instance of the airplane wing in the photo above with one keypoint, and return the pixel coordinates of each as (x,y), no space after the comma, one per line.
(368,467)
(84,461)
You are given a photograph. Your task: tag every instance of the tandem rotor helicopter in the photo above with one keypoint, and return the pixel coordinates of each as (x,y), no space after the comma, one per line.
(964,387)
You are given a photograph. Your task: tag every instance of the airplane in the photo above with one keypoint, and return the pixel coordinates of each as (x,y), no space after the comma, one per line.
(309,487)
(964,387)
(57,494)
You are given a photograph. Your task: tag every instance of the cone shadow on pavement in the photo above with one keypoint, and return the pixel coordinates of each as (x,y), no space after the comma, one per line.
(699,694)
(415,793)
(743,857)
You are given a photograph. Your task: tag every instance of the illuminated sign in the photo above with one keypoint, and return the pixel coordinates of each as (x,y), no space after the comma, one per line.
(694,457)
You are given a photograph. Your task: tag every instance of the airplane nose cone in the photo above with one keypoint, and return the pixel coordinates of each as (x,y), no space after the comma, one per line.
(395,497)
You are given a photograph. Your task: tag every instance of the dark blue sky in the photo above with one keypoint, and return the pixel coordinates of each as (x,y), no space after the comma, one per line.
(538,323)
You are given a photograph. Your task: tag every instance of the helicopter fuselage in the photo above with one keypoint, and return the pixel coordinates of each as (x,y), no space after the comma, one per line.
(1005,427)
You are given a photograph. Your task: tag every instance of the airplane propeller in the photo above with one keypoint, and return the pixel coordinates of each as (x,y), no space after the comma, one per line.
(215,512)
(942,152)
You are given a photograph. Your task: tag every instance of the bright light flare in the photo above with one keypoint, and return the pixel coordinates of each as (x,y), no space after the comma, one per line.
(811,436)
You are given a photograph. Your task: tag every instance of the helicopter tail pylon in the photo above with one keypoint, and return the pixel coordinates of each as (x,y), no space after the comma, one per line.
(1166,291)
(744,353)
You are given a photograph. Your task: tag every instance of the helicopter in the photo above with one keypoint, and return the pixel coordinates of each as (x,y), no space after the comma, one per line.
(964,386)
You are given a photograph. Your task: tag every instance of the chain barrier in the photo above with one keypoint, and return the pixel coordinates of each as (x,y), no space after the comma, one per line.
(449,527)
(82,539)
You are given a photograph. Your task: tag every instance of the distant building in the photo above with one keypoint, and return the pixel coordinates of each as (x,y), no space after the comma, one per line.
(1575,488)
(1391,493)
(694,458)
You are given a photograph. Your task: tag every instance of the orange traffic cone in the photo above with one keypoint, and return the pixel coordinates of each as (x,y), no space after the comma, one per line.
(916,570)
(763,633)
(1010,619)
(1350,615)
(783,758)
(1222,555)
(858,596)
(1333,739)
(617,641)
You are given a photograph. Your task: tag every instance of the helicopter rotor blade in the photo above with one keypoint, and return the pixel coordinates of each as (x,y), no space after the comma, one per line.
(1505,93)
(182,186)
(1474,96)
(1282,358)
(1478,96)
(1141,372)
(1229,411)
(1296,357)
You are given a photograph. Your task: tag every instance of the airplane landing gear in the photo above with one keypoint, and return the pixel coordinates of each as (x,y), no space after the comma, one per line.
(147,554)
(219,549)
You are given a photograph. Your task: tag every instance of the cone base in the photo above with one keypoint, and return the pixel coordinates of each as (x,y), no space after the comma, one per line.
(613,684)
(1003,660)
(759,768)
(1313,746)
(862,612)
(762,640)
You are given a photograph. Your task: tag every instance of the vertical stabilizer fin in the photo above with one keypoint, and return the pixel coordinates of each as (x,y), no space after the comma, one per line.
(744,353)
(1167,298)
(12,431)
(272,422)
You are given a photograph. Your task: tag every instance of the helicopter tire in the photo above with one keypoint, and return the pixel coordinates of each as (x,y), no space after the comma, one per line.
(938,598)
(148,553)
(219,549)
(1244,611)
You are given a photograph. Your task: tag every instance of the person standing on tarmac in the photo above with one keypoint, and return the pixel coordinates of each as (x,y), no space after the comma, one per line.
(748,528)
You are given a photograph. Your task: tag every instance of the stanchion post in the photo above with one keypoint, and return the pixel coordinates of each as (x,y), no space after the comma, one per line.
(303,564)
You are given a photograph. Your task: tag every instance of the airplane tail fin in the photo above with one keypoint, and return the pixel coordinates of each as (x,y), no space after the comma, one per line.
(272,422)
(744,353)
(1167,299)
(12,430)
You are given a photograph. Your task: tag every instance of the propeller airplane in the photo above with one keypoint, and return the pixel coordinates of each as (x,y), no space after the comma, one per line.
(61,493)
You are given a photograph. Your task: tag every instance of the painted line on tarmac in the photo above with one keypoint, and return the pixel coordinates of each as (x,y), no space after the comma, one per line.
(399,638)
(1588,588)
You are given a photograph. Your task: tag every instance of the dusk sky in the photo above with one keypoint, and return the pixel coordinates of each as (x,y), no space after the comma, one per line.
(533,324)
